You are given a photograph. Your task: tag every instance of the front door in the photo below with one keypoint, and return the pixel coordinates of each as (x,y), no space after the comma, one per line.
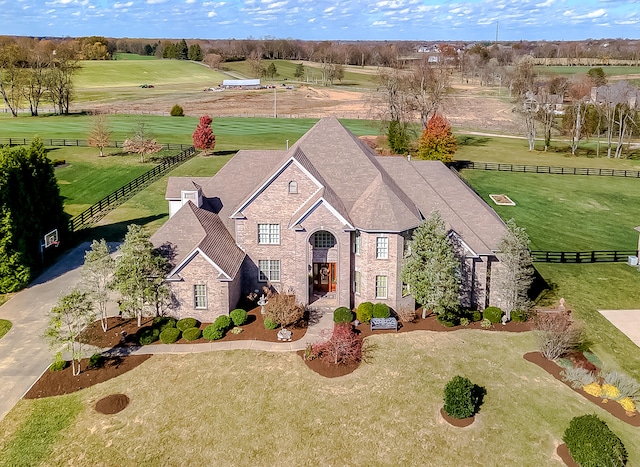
(324,278)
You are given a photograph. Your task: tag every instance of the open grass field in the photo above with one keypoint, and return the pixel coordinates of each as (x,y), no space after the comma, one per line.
(5,325)
(253,408)
(566,212)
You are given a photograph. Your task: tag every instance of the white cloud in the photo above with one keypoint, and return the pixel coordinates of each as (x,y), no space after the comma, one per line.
(211,14)
(122,5)
(329,10)
(155,2)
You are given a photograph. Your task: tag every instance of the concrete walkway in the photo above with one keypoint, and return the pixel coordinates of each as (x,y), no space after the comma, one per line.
(627,321)
(25,354)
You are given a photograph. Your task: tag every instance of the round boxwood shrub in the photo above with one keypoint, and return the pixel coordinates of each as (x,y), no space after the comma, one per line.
(148,335)
(186,323)
(177,111)
(222,322)
(493,314)
(212,333)
(342,315)
(164,322)
(270,324)
(169,335)
(476,316)
(191,334)
(591,443)
(364,313)
(460,399)
(238,316)
(519,316)
(381,310)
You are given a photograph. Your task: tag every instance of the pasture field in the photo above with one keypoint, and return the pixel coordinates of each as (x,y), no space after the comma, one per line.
(610,71)
(386,411)
(566,212)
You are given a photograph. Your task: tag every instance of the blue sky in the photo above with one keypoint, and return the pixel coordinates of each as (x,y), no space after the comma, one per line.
(325,19)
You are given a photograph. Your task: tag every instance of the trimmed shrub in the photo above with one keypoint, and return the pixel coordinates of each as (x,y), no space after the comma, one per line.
(381,310)
(147,335)
(464,321)
(212,333)
(177,111)
(342,315)
(169,335)
(270,324)
(519,316)
(493,314)
(96,360)
(460,398)
(476,316)
(186,323)
(591,443)
(191,334)
(236,330)
(59,363)
(222,322)
(238,316)
(448,318)
(364,313)
(164,322)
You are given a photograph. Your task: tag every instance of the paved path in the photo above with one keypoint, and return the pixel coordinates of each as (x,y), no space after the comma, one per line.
(627,321)
(25,354)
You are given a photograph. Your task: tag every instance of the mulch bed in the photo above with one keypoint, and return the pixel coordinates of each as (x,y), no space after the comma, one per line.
(328,370)
(457,422)
(111,404)
(56,383)
(554,370)
(565,455)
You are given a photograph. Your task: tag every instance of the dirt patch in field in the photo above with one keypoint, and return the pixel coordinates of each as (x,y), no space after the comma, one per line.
(457,422)
(111,404)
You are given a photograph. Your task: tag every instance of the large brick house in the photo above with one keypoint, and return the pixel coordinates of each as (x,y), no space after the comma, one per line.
(328,218)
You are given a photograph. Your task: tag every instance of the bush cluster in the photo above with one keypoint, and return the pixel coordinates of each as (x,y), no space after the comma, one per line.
(476,316)
(364,313)
(169,335)
(212,333)
(222,322)
(381,310)
(519,316)
(591,443)
(148,335)
(186,323)
(191,334)
(164,322)
(493,314)
(448,318)
(59,363)
(342,315)
(460,398)
(177,111)
(96,360)
(270,324)
(238,316)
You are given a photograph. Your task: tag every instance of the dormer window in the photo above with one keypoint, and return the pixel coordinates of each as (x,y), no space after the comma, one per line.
(293,186)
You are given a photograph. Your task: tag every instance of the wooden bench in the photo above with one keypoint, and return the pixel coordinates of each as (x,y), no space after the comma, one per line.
(384,323)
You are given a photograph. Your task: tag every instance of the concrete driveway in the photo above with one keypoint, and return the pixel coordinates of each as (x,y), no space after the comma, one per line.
(627,321)
(24,353)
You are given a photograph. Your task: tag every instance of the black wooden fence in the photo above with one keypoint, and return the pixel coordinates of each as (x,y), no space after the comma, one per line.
(96,212)
(603,256)
(545,169)
(58,142)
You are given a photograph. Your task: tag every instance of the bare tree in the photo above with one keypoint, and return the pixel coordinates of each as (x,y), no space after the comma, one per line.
(60,78)
(100,135)
(427,86)
(557,334)
(141,142)
(12,76)
(96,276)
(396,109)
(528,109)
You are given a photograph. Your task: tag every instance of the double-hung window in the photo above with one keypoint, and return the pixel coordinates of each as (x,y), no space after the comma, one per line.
(382,248)
(200,296)
(269,234)
(269,270)
(381,286)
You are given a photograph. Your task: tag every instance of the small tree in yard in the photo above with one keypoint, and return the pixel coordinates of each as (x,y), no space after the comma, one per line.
(203,137)
(343,345)
(141,143)
(283,309)
(100,135)
(437,141)
(430,267)
(139,274)
(515,258)
(557,334)
(68,318)
(96,276)
(461,398)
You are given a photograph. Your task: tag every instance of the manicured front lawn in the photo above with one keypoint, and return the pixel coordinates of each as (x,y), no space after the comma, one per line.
(254,408)
(566,212)
(5,325)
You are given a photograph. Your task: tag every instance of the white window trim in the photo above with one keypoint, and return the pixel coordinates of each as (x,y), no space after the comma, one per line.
(357,243)
(269,234)
(386,287)
(293,187)
(382,253)
(357,284)
(196,295)
(268,272)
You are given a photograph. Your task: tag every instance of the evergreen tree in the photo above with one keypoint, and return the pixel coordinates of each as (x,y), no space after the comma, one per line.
(272,71)
(430,267)
(182,50)
(139,274)
(516,269)
(398,137)
(299,71)
(195,53)
(437,141)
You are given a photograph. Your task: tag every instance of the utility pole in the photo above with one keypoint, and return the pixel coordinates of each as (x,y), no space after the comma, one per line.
(497,27)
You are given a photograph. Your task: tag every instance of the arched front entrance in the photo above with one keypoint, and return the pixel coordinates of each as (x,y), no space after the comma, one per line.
(324,267)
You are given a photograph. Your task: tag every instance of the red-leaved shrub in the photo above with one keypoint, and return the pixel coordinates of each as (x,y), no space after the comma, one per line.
(343,347)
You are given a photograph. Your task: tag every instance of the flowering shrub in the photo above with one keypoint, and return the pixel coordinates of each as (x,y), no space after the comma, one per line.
(610,392)
(627,404)
(594,389)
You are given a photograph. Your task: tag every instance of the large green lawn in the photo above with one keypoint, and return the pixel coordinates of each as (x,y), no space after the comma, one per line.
(566,212)
(258,408)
